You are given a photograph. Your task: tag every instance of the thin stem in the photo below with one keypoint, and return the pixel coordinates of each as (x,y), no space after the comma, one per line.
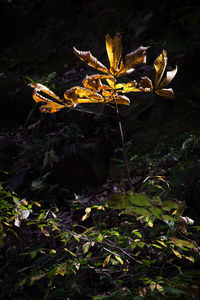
(123,145)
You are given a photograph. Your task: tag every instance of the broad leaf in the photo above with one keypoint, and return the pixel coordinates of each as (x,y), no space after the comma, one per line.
(114,51)
(86,247)
(168,93)
(160,65)
(146,84)
(92,61)
(182,243)
(119,99)
(169,77)
(119,259)
(132,60)
(51,107)
(94,83)
(128,87)
(79,94)
(106,261)
(41,88)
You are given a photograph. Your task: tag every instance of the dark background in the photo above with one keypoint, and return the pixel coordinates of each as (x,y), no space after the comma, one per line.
(36,41)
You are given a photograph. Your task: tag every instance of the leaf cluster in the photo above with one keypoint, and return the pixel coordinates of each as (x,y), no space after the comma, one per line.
(94,90)
(122,249)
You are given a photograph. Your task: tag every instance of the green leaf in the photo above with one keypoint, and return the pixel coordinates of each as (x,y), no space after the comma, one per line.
(169,218)
(23,282)
(70,252)
(86,247)
(137,211)
(139,199)
(41,216)
(137,233)
(182,243)
(156,211)
(99,238)
(33,254)
(36,277)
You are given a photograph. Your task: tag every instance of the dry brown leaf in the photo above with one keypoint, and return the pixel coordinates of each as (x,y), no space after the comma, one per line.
(92,61)
(79,94)
(132,60)
(169,77)
(119,99)
(51,107)
(94,83)
(160,65)
(114,51)
(146,84)
(38,87)
(168,93)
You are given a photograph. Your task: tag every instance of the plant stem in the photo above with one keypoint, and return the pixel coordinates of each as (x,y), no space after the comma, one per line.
(123,145)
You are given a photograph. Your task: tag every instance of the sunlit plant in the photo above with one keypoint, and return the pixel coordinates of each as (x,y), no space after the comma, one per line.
(112,92)
(109,91)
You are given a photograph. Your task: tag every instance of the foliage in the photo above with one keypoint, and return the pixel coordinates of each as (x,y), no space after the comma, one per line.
(132,251)
(94,91)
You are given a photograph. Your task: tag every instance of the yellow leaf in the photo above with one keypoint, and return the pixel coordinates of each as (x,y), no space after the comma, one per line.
(190,258)
(150,223)
(106,261)
(160,65)
(128,87)
(119,259)
(160,288)
(152,285)
(111,82)
(100,207)
(114,51)
(45,232)
(87,213)
(51,107)
(87,57)
(86,247)
(38,87)
(85,217)
(162,243)
(177,253)
(88,210)
(37,203)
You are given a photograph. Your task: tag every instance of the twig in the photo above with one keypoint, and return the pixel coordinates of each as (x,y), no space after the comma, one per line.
(123,144)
